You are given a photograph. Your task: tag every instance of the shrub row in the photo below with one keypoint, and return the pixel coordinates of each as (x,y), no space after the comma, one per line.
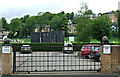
(46,46)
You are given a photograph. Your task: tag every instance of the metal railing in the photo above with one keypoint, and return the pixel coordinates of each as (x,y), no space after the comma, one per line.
(46,61)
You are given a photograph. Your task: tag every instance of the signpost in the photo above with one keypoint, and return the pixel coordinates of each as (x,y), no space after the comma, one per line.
(106,49)
(71,38)
(5,49)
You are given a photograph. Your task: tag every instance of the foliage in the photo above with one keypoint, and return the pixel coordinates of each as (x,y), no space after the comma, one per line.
(119,23)
(22,27)
(15,25)
(59,22)
(83,22)
(83,29)
(46,46)
(101,27)
(5,25)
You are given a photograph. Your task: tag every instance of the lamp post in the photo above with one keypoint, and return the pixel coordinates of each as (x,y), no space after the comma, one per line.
(105,40)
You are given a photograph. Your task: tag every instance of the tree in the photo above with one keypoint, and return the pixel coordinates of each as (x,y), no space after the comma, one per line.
(83,10)
(15,25)
(101,27)
(83,29)
(83,22)
(23,19)
(69,15)
(60,22)
(5,25)
(119,23)
(30,25)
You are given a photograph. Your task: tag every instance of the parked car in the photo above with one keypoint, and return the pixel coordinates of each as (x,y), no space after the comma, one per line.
(96,56)
(89,50)
(68,48)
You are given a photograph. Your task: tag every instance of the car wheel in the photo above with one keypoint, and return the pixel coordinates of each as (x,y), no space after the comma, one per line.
(89,56)
(71,51)
(99,58)
(86,57)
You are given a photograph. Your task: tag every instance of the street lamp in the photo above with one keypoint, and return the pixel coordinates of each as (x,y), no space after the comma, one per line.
(105,40)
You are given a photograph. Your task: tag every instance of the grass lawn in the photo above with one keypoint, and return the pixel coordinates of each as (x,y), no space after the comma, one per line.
(28,40)
(112,40)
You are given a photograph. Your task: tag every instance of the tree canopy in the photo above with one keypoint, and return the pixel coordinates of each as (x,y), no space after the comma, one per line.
(101,27)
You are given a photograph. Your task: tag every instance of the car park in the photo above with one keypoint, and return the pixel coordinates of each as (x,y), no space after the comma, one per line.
(68,48)
(90,51)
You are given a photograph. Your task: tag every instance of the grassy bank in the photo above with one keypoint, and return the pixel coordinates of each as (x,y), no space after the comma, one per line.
(112,40)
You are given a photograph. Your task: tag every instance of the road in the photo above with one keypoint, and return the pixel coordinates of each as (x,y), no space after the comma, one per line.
(54,61)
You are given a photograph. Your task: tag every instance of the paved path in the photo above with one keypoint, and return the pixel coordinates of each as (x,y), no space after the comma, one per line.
(53,61)
(85,75)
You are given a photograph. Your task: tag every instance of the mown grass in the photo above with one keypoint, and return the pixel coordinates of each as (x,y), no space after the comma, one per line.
(26,40)
(111,40)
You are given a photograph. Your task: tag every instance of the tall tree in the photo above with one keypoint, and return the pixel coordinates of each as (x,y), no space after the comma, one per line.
(15,25)
(23,19)
(60,22)
(83,22)
(119,23)
(5,25)
(69,15)
(83,29)
(30,25)
(101,27)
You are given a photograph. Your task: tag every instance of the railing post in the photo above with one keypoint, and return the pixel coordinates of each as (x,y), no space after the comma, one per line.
(14,60)
(6,59)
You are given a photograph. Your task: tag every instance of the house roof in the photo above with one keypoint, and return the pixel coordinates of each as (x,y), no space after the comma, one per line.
(110,13)
(114,24)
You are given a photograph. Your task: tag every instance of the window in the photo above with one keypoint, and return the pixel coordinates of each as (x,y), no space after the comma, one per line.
(69,30)
(83,47)
(74,30)
(45,29)
(70,27)
(89,47)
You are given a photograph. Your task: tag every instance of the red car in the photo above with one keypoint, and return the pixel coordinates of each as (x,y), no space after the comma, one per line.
(88,49)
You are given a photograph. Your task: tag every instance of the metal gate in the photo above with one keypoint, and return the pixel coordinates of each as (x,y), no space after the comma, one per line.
(46,61)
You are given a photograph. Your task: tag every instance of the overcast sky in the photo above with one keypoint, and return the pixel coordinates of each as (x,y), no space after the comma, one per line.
(18,8)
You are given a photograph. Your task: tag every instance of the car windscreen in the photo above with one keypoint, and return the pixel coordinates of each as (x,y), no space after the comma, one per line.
(97,48)
(89,47)
(68,45)
(83,47)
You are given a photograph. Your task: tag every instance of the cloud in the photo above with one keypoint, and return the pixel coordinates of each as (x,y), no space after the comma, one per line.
(18,8)
(70,6)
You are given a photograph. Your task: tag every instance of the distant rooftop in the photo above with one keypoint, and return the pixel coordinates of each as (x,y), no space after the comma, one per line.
(110,13)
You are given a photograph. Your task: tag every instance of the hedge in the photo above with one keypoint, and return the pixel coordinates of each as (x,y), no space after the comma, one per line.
(46,46)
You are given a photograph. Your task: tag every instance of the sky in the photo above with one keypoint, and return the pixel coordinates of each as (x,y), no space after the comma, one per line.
(18,8)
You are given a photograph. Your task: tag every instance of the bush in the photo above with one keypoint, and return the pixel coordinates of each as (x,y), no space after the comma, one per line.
(46,46)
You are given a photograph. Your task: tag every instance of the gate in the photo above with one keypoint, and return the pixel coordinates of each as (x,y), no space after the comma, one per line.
(46,61)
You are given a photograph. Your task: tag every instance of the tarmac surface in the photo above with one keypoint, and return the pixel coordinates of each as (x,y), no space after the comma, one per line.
(85,75)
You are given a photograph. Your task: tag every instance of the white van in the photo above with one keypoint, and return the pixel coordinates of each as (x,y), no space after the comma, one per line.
(68,47)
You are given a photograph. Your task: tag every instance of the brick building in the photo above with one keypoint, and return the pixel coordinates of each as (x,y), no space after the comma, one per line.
(112,16)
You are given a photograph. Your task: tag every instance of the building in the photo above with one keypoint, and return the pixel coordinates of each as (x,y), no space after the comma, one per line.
(114,27)
(51,37)
(113,21)
(112,16)
(46,28)
(71,28)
